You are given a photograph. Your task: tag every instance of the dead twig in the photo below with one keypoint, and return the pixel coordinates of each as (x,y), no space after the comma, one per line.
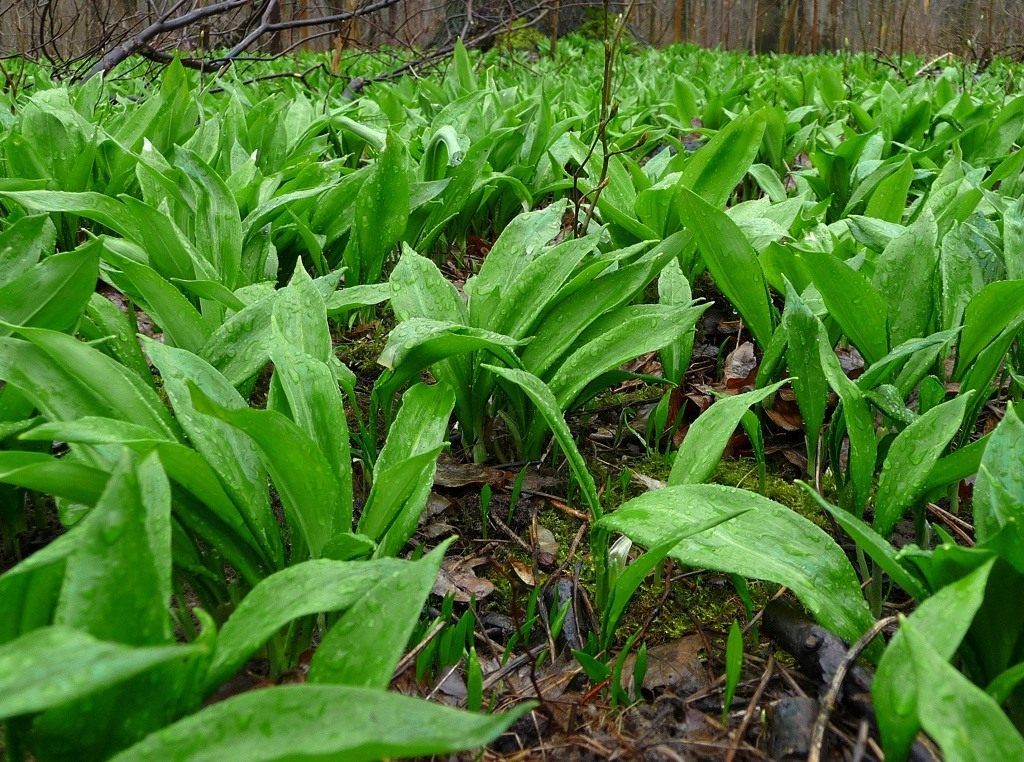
(828,703)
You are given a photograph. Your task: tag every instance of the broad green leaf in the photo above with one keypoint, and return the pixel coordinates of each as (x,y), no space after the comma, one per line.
(852,301)
(766,541)
(418,343)
(419,290)
(965,722)
(999,488)
(105,210)
(629,581)
(517,246)
(414,439)
(905,277)
(299,316)
(616,338)
(860,423)
(547,406)
(53,293)
(882,370)
(910,459)
(731,261)
(674,288)
(316,405)
(1013,240)
(365,645)
(311,587)
(23,243)
(804,361)
(68,379)
(872,543)
(30,590)
(381,212)
(118,578)
(347,299)
(105,322)
(216,220)
(179,320)
(890,196)
(232,455)
(943,620)
(308,486)
(717,168)
(707,437)
(524,299)
(55,665)
(238,348)
(320,722)
(990,311)
(571,313)
(60,477)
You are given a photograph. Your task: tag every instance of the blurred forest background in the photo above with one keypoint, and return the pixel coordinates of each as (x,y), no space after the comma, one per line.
(65,30)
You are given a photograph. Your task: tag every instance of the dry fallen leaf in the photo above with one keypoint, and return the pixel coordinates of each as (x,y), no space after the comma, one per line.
(674,666)
(457,577)
(523,571)
(546,542)
(740,366)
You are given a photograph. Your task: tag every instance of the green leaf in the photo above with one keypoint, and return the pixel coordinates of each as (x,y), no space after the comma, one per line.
(23,243)
(525,298)
(943,620)
(964,721)
(55,665)
(890,196)
(547,406)
(68,379)
(320,722)
(315,404)
(216,222)
(519,244)
(53,293)
(708,436)
(29,591)
(308,486)
(418,343)
(991,310)
(852,301)
(905,276)
(714,171)
(803,358)
(60,477)
(570,314)
(230,453)
(999,488)
(416,436)
(910,459)
(310,587)
(180,321)
(872,543)
(103,209)
(733,665)
(365,645)
(731,261)
(419,290)
(347,299)
(860,423)
(618,337)
(118,578)
(596,671)
(630,580)
(767,541)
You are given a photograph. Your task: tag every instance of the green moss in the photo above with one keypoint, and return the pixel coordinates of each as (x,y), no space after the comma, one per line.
(743,473)
(520,36)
